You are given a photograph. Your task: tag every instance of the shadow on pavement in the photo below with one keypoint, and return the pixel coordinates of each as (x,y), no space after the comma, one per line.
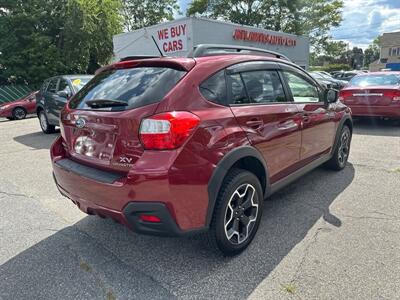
(377,127)
(37,140)
(97,258)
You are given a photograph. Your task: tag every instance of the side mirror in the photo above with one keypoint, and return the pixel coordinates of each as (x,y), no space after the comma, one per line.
(63,94)
(331,95)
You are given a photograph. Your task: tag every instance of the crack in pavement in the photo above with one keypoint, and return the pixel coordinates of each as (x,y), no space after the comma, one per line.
(114,257)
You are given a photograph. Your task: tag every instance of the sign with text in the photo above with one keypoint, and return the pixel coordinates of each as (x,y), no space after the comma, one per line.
(173,38)
(260,37)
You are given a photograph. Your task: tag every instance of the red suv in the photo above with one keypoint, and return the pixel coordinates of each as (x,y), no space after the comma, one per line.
(177,146)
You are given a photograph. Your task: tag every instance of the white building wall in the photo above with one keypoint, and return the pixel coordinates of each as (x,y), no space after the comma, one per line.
(176,38)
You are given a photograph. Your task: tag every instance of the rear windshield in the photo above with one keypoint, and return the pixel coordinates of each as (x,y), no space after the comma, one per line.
(374,80)
(136,87)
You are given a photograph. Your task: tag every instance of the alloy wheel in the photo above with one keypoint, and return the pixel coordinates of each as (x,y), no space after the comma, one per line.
(344,147)
(241,214)
(43,121)
(19,113)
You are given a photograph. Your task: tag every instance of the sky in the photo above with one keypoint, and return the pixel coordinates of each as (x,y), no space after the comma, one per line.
(363,20)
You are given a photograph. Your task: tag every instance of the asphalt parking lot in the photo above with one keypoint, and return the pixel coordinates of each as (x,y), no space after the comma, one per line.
(328,236)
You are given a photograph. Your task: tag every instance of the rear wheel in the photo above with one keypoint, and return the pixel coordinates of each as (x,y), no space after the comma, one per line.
(44,124)
(237,213)
(19,113)
(342,151)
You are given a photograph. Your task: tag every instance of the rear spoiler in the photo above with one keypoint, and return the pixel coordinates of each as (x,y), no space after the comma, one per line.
(183,64)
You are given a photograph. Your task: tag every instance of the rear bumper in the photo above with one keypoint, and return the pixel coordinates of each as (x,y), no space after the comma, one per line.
(124,197)
(391,111)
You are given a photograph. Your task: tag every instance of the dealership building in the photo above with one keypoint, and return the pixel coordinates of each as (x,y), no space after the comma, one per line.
(177,38)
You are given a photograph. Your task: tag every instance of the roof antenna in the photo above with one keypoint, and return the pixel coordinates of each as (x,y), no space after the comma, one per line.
(159,50)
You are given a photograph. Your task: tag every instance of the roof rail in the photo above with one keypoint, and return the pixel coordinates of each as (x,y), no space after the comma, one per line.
(136,57)
(218,49)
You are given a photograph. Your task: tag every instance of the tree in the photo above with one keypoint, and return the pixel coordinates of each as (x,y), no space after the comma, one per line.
(302,17)
(372,53)
(43,38)
(142,13)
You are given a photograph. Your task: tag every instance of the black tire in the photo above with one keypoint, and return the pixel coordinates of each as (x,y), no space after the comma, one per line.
(44,123)
(235,217)
(19,113)
(10,118)
(342,150)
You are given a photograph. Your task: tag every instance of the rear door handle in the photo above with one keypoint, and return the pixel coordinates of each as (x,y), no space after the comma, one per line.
(255,123)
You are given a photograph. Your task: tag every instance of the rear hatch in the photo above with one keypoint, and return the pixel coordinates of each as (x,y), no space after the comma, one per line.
(100,126)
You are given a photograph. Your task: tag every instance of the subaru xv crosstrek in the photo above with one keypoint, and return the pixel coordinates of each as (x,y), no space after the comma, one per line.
(178,146)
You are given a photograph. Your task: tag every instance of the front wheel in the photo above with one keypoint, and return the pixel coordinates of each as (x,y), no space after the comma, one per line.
(44,124)
(19,113)
(342,150)
(237,213)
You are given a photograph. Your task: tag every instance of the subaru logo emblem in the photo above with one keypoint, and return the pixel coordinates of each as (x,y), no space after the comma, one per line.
(80,123)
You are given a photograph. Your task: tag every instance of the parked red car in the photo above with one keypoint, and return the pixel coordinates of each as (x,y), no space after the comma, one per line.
(177,146)
(375,94)
(18,109)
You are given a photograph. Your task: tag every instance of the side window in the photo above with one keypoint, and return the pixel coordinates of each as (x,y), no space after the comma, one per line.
(214,88)
(264,86)
(52,86)
(302,90)
(238,91)
(63,86)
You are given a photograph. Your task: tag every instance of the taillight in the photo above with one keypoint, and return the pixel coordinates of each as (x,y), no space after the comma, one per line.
(167,130)
(344,94)
(394,94)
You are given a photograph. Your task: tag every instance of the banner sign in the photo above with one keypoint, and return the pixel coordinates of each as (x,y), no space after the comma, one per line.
(173,38)
(260,37)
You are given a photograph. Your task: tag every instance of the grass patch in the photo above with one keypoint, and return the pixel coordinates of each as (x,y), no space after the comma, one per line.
(289,288)
(85,266)
(397,170)
(110,295)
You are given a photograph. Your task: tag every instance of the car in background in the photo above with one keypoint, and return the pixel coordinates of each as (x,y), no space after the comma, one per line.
(375,94)
(52,97)
(328,80)
(178,146)
(346,75)
(19,109)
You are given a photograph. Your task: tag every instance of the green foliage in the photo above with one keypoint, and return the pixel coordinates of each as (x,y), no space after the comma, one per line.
(331,68)
(142,13)
(372,53)
(302,17)
(43,38)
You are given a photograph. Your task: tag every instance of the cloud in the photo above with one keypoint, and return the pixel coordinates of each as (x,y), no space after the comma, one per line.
(364,20)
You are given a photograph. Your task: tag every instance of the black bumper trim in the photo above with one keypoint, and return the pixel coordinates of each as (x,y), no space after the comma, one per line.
(88,172)
(167,226)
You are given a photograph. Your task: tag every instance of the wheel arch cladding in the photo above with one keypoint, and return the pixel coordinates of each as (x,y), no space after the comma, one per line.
(245,157)
(346,121)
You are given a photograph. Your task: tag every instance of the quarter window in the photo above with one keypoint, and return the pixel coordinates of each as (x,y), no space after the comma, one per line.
(302,90)
(214,88)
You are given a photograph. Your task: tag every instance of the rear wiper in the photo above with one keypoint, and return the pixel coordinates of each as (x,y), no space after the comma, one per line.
(98,103)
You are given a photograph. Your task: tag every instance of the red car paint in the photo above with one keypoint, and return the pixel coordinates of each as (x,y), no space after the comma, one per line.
(288,137)
(28,103)
(373,100)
